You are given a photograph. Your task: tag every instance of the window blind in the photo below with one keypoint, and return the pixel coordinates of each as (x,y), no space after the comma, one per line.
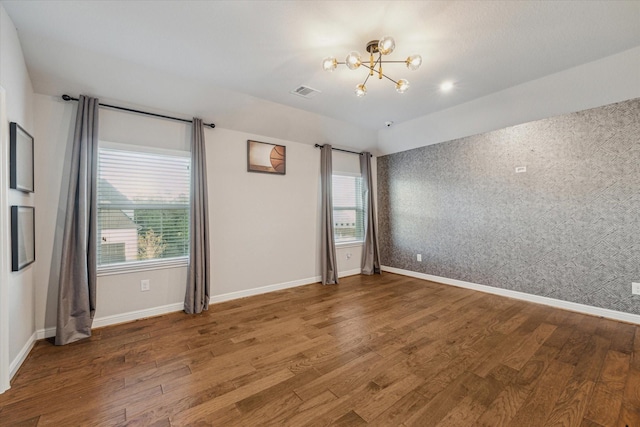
(348,212)
(143,206)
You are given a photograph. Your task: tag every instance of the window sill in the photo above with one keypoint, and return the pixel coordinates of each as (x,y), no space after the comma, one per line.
(134,267)
(349,244)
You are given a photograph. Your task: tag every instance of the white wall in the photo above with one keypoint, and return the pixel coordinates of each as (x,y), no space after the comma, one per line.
(18,308)
(53,131)
(4,247)
(605,81)
(264,228)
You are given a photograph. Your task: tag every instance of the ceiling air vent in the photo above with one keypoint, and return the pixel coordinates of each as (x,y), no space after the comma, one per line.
(305,91)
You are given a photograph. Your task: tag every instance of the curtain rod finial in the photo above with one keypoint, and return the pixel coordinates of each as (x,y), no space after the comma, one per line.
(66,97)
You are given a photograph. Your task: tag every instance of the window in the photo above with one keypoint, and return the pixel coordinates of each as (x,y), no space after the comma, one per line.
(143,205)
(348,212)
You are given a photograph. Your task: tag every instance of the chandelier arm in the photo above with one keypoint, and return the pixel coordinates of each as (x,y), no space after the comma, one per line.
(383,75)
(373,68)
(365,80)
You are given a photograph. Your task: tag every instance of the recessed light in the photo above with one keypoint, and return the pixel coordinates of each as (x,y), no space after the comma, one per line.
(446,86)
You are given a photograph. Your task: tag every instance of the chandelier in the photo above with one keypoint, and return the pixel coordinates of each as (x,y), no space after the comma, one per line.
(384,46)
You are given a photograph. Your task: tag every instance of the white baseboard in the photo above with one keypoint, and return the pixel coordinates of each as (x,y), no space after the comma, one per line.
(277,287)
(349,273)
(565,305)
(262,290)
(135,315)
(22,356)
(45,333)
(100,322)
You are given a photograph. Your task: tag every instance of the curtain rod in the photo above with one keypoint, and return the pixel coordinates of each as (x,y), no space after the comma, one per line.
(344,151)
(131,110)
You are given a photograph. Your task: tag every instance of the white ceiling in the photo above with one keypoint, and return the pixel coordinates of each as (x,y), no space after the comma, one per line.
(197,57)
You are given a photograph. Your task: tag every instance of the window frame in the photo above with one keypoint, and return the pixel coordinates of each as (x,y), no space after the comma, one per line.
(140,265)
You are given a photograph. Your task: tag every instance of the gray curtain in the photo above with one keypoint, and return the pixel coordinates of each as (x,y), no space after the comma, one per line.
(197,295)
(328,263)
(370,254)
(77,285)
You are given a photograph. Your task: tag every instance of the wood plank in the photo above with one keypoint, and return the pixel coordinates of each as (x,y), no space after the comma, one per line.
(606,400)
(629,415)
(330,412)
(388,396)
(632,389)
(402,409)
(482,391)
(349,419)
(508,402)
(540,402)
(615,371)
(529,345)
(590,362)
(203,413)
(257,400)
(635,358)
(488,361)
(440,405)
(268,407)
(603,407)
(304,411)
(323,383)
(575,347)
(621,335)
(572,404)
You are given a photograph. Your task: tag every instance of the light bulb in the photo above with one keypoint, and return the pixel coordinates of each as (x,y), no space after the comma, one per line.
(402,86)
(361,90)
(414,62)
(329,63)
(386,45)
(353,60)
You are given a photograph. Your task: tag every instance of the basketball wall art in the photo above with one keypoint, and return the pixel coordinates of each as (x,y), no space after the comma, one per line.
(266,158)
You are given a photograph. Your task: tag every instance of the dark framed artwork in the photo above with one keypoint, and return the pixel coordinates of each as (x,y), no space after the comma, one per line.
(23,235)
(266,158)
(20,159)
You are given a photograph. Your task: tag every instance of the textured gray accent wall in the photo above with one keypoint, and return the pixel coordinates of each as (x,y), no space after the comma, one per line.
(568,228)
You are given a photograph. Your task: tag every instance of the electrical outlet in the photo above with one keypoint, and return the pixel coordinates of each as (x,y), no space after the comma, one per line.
(635,288)
(144,285)
(419,257)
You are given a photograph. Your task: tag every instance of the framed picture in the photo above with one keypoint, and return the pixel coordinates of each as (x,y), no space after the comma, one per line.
(266,158)
(21,159)
(23,244)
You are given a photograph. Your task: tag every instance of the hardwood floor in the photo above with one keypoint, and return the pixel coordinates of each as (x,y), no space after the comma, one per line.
(385,350)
